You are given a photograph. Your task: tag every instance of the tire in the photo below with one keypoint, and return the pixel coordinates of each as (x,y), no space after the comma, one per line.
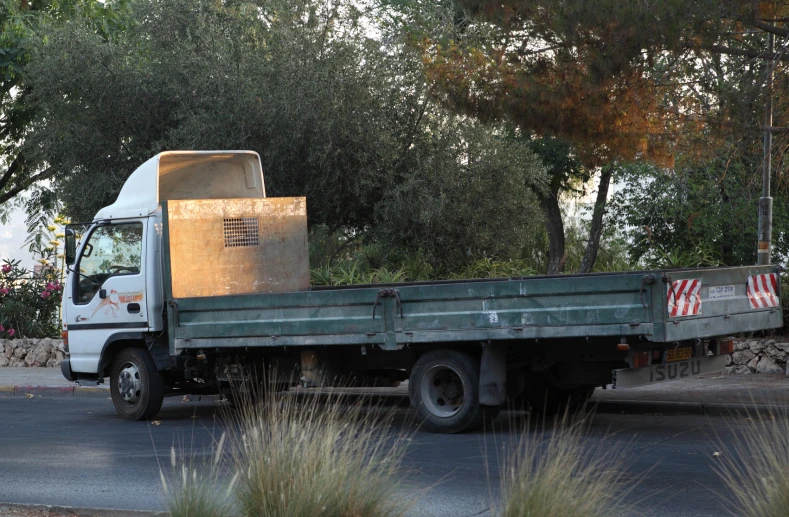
(136,387)
(444,391)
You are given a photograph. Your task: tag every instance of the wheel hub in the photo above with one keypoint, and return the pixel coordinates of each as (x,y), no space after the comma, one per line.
(129,385)
(443,391)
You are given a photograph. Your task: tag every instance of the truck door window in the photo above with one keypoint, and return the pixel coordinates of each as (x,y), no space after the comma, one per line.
(110,251)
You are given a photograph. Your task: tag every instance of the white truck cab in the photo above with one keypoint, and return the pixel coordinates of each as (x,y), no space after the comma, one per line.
(113,295)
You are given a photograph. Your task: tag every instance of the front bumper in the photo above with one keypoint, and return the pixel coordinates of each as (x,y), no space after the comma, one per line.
(65,369)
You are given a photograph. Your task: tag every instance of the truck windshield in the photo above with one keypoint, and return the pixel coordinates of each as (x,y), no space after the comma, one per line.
(110,250)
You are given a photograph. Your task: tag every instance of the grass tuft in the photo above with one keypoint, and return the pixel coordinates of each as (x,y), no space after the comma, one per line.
(754,470)
(197,487)
(301,457)
(558,472)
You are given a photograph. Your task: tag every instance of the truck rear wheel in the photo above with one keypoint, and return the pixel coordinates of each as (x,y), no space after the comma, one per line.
(136,387)
(444,391)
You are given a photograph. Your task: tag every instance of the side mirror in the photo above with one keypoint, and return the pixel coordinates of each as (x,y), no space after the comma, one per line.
(71,246)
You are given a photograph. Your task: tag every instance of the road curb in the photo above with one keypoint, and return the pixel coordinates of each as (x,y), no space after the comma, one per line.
(55,391)
(81,512)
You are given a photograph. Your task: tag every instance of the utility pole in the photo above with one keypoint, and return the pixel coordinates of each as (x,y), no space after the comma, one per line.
(766,202)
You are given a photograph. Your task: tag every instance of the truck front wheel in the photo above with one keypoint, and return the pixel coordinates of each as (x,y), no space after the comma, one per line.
(444,391)
(136,387)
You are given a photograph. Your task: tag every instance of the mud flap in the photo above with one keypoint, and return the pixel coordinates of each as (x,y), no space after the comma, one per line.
(493,375)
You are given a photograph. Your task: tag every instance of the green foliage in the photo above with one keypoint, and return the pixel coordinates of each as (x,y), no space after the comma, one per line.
(612,256)
(29,303)
(339,117)
(490,268)
(484,205)
(22,28)
(400,267)
(699,214)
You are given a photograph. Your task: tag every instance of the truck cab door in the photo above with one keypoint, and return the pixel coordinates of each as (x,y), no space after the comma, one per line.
(106,292)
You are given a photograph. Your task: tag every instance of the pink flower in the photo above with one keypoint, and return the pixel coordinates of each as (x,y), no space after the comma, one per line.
(45,294)
(6,268)
(4,291)
(50,286)
(11,332)
(2,328)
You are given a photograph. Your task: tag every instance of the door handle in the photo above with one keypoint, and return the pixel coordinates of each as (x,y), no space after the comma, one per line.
(133,308)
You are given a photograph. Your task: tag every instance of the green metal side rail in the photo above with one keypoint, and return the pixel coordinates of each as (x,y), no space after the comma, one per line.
(519,309)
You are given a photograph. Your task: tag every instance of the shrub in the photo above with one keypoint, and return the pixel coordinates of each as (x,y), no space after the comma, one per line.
(305,458)
(559,473)
(29,303)
(754,469)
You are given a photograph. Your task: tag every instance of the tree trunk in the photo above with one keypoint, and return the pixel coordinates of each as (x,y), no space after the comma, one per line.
(555,227)
(596,230)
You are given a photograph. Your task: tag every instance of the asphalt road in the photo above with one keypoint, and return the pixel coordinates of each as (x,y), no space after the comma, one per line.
(77,452)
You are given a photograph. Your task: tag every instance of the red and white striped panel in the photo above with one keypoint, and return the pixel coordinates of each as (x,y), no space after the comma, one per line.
(684,297)
(762,291)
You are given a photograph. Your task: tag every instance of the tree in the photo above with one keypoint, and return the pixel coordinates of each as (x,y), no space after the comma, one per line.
(621,81)
(22,24)
(336,115)
(566,174)
(703,210)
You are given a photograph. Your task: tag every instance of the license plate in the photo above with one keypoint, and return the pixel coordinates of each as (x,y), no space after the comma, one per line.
(678,354)
(632,377)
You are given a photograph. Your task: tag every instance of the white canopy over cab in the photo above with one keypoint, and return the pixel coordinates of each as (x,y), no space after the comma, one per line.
(188,175)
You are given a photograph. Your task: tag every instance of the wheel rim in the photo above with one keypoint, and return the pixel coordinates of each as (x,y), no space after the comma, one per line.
(129,384)
(443,391)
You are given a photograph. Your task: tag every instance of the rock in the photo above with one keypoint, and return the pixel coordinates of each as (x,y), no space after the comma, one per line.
(739,346)
(757,347)
(3,360)
(728,360)
(782,346)
(742,370)
(730,370)
(20,352)
(767,365)
(742,357)
(56,358)
(38,355)
(775,353)
(9,351)
(752,363)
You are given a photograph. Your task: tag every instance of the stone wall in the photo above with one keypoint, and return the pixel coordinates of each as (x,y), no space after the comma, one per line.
(31,352)
(758,356)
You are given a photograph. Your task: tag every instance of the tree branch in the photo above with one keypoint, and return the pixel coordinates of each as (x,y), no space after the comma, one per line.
(720,49)
(45,174)
(772,28)
(10,172)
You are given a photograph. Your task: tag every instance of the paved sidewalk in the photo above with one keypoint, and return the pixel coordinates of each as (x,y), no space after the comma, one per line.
(44,382)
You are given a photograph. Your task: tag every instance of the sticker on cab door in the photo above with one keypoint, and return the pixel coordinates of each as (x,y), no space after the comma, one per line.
(112,303)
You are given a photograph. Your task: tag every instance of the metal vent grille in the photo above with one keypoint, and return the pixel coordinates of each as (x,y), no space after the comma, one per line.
(241,232)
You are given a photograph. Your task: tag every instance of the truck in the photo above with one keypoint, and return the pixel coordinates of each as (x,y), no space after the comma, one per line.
(194,282)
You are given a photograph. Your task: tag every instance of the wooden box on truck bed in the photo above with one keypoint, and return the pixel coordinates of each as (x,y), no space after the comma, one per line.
(220,247)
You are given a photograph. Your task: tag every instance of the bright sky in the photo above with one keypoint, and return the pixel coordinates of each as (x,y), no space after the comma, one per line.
(12,239)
